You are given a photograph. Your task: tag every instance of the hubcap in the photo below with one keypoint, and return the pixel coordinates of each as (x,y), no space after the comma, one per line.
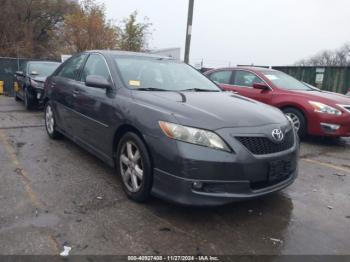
(49,120)
(131,166)
(295,120)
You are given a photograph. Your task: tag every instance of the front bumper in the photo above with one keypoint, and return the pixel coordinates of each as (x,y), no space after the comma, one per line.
(328,125)
(39,94)
(224,177)
(181,191)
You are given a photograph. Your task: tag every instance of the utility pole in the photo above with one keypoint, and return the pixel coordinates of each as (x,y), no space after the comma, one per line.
(189,31)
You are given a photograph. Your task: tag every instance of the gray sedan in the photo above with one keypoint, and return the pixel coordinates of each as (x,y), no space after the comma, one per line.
(168,130)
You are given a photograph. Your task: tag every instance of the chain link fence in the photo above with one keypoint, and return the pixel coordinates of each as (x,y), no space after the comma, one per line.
(8,68)
(330,78)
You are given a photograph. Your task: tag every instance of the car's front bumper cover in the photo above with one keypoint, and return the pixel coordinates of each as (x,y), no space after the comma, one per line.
(320,125)
(181,191)
(223,177)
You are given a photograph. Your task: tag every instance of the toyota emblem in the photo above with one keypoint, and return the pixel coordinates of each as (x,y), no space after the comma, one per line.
(277,135)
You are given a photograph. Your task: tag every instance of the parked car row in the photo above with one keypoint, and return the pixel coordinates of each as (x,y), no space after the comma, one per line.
(169,130)
(313,112)
(175,133)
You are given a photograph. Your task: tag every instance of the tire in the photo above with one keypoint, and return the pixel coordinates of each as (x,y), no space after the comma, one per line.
(29,100)
(298,119)
(132,158)
(50,122)
(16,97)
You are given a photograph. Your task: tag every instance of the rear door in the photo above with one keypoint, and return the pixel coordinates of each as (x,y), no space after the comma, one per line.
(243,81)
(94,108)
(223,78)
(63,84)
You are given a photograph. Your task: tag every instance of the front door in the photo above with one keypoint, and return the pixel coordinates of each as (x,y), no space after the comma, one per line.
(63,86)
(95,108)
(243,81)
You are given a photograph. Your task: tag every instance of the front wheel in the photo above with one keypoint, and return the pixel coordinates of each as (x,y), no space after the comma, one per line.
(16,97)
(29,100)
(50,122)
(298,120)
(134,166)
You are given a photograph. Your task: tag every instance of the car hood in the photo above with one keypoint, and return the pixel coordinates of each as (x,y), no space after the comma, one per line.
(39,78)
(212,110)
(324,96)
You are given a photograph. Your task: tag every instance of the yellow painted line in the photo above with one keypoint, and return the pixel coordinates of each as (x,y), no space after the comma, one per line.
(26,182)
(25,179)
(326,165)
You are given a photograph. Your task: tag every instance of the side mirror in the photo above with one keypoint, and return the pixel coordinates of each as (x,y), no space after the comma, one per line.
(97,82)
(261,86)
(19,73)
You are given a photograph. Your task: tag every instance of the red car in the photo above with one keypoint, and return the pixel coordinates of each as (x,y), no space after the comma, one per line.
(312,111)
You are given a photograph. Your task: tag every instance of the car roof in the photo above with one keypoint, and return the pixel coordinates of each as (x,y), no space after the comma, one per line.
(127,53)
(251,68)
(40,61)
(255,68)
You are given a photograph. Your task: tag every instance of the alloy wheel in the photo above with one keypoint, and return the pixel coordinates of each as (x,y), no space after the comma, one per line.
(295,120)
(131,166)
(49,120)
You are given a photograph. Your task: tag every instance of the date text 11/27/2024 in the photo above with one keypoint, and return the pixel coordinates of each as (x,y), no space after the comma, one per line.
(173,258)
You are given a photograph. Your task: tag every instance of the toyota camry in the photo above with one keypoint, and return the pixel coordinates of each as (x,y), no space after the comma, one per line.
(168,130)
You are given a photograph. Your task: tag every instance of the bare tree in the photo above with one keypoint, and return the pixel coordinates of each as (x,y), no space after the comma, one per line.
(48,28)
(87,28)
(27,26)
(134,35)
(338,57)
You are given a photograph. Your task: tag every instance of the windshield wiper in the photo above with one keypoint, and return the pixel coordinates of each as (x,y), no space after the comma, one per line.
(150,89)
(199,90)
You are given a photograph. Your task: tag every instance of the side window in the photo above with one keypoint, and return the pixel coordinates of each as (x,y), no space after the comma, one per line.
(222,77)
(71,68)
(247,79)
(95,65)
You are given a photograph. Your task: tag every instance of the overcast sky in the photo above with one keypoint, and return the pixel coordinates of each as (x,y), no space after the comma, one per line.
(263,32)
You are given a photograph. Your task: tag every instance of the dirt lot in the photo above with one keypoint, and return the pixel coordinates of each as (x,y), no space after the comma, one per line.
(52,193)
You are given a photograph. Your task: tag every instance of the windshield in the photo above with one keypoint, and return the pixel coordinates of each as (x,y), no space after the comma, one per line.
(42,69)
(285,81)
(143,73)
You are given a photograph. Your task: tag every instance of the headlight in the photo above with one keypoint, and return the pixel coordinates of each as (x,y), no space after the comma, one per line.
(322,108)
(193,135)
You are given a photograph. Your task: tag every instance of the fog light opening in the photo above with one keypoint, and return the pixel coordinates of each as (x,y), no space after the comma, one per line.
(330,127)
(197,185)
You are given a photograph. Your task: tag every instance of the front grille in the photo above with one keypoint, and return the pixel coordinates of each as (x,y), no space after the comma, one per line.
(264,146)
